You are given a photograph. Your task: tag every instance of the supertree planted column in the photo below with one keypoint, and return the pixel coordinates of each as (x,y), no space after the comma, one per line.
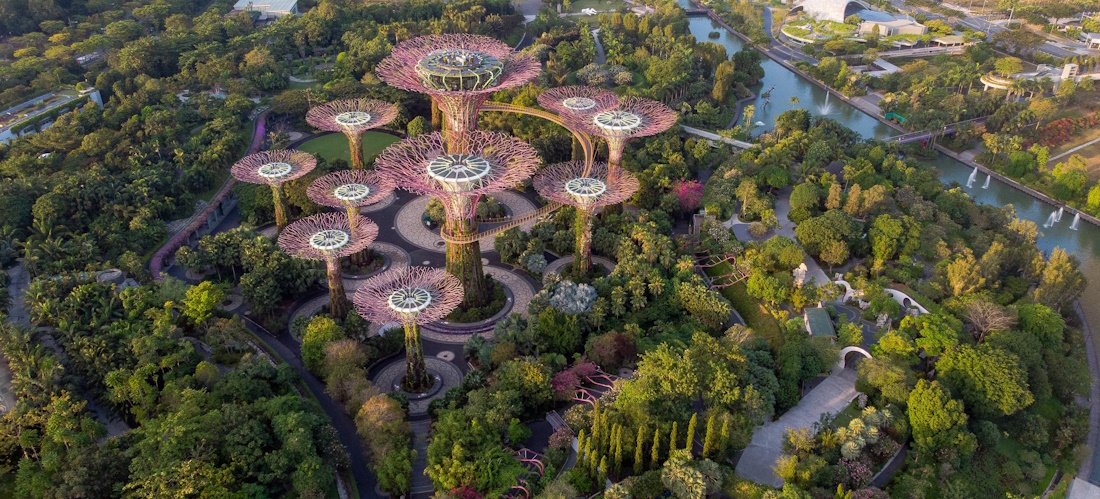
(352,117)
(411,296)
(351,190)
(459,72)
(632,117)
(329,237)
(274,168)
(586,188)
(490,162)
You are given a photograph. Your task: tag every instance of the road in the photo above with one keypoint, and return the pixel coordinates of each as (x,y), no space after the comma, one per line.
(1056,49)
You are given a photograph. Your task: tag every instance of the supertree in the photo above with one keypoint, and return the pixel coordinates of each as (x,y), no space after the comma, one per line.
(586,188)
(490,162)
(351,190)
(274,168)
(632,117)
(578,103)
(411,296)
(459,72)
(352,117)
(329,237)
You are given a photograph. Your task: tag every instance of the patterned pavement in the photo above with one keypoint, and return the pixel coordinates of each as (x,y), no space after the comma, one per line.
(560,263)
(411,228)
(391,375)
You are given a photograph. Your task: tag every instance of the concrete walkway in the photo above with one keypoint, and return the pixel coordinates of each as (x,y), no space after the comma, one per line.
(1075,149)
(831,396)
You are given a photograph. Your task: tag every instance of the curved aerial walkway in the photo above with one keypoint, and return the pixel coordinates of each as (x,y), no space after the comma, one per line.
(516,220)
(584,139)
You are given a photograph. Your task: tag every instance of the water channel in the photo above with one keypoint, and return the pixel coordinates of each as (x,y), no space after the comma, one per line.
(784,84)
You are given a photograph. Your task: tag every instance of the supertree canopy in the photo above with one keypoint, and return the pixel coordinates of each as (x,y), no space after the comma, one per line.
(459,72)
(350,190)
(578,102)
(352,117)
(274,168)
(489,162)
(632,117)
(586,188)
(411,296)
(328,237)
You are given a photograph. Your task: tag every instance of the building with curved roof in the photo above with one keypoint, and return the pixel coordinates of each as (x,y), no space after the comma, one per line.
(830,10)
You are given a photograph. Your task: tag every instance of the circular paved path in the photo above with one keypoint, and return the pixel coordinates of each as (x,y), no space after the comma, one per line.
(410,225)
(379,206)
(398,259)
(560,263)
(449,374)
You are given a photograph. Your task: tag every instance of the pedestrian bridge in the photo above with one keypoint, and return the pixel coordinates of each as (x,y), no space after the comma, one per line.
(713,137)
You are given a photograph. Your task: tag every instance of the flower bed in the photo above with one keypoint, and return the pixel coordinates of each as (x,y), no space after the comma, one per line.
(1061,131)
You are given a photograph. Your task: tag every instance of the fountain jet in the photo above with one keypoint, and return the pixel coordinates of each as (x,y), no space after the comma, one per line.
(1076,221)
(1051,220)
(973,176)
(986,184)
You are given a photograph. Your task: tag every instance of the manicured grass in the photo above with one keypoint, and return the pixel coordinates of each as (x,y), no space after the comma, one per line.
(294,85)
(600,5)
(335,145)
(750,309)
(847,415)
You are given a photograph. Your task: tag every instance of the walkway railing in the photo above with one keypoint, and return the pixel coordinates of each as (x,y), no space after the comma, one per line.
(514,222)
(583,138)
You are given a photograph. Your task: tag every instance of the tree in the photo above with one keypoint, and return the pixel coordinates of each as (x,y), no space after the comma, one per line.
(321,331)
(1042,322)
(990,380)
(639,456)
(689,444)
(963,275)
(710,440)
(1008,66)
(986,316)
(804,201)
(417,126)
(938,421)
(683,480)
(202,299)
(1061,281)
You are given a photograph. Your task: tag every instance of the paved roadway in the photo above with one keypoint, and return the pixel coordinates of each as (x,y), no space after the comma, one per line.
(1056,49)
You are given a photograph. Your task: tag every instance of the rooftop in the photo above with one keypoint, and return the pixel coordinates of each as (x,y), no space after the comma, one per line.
(818,322)
(266,5)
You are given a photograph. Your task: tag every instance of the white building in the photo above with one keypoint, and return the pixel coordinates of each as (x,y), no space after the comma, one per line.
(892,28)
(830,10)
(1092,40)
(268,9)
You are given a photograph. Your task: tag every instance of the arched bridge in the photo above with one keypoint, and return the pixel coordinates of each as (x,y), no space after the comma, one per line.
(951,129)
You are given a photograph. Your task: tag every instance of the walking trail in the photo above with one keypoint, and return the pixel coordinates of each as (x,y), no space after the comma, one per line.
(831,396)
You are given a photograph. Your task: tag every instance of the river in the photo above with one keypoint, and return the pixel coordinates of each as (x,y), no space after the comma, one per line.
(784,84)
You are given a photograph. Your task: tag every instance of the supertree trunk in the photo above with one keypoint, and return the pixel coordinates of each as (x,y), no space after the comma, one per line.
(362,258)
(417,379)
(464,262)
(460,114)
(582,255)
(280,206)
(615,147)
(355,146)
(338,301)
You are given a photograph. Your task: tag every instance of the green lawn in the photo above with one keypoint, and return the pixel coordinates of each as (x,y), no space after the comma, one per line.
(302,86)
(750,309)
(335,146)
(600,5)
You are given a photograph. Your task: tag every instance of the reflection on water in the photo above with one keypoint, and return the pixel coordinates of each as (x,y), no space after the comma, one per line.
(779,85)
(783,84)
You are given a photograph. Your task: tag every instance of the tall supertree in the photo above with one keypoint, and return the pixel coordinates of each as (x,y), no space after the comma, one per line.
(329,237)
(352,117)
(489,162)
(459,72)
(274,168)
(351,190)
(411,296)
(577,103)
(586,187)
(632,117)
